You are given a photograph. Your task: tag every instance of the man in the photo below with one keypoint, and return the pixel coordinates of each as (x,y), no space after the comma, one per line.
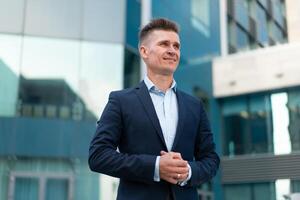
(165,144)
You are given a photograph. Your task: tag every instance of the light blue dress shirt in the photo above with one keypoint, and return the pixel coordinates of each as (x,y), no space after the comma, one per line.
(166,107)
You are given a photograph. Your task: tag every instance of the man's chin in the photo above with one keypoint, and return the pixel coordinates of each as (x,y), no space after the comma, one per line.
(169,71)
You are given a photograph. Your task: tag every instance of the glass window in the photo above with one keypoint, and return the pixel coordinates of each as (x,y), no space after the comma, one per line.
(277,7)
(232,33)
(295,186)
(69,79)
(133,22)
(275,32)
(131,69)
(57,189)
(242,39)
(49,77)
(235,116)
(205,191)
(201,16)
(250,191)
(293,105)
(10,53)
(247,125)
(260,124)
(262,27)
(101,71)
(264,3)
(263,191)
(26,189)
(241,14)
(237,192)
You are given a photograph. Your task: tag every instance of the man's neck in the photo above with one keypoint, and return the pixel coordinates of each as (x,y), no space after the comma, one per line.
(163,82)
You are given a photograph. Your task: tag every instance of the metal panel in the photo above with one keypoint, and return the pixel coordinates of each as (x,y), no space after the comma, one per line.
(104,20)
(11,16)
(54,18)
(243,169)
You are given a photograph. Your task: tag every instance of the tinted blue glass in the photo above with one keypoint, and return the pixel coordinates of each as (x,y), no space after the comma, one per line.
(26,189)
(241,13)
(10,53)
(264,3)
(250,191)
(242,39)
(294,121)
(250,126)
(57,189)
(197,40)
(276,32)
(60,88)
(262,29)
(133,22)
(247,125)
(277,11)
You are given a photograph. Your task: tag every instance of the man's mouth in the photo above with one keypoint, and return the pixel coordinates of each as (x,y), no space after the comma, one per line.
(171,59)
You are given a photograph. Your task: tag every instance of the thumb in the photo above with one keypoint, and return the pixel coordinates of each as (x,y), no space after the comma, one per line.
(163,153)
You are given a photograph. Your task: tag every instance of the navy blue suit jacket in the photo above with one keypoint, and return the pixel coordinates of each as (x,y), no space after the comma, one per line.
(129,123)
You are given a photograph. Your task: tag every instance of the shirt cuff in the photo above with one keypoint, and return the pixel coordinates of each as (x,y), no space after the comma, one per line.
(183,183)
(156,171)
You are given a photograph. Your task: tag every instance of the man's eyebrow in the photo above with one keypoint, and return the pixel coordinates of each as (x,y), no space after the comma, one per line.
(163,41)
(177,43)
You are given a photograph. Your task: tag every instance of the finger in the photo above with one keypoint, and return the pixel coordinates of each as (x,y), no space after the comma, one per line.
(179,163)
(182,170)
(183,177)
(176,170)
(176,155)
(180,177)
(171,180)
(163,153)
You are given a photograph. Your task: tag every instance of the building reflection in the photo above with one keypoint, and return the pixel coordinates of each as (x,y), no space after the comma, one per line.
(51,98)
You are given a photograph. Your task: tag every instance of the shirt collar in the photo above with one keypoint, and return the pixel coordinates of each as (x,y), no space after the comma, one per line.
(150,85)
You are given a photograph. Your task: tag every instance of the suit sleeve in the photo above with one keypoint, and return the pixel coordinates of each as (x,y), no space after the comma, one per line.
(103,155)
(206,161)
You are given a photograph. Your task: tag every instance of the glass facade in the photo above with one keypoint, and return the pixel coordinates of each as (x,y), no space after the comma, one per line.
(252,191)
(255,24)
(278,189)
(261,123)
(57,67)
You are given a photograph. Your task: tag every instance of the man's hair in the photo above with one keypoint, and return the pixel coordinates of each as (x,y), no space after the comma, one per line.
(157,24)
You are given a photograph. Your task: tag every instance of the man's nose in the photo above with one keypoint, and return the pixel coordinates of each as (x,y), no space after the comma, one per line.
(171,52)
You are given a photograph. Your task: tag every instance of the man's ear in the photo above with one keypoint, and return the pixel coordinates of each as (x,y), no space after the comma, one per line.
(143,51)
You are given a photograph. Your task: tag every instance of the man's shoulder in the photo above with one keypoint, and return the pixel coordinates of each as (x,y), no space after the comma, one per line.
(125,91)
(121,93)
(190,98)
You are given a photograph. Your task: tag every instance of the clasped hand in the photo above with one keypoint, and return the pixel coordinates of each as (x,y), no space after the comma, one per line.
(172,168)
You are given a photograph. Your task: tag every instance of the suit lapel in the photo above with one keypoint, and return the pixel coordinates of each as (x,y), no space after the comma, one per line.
(145,98)
(181,118)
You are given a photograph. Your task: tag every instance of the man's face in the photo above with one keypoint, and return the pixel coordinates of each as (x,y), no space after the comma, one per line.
(161,52)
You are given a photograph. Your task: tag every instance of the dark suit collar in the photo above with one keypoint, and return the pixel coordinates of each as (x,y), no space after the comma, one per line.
(144,97)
